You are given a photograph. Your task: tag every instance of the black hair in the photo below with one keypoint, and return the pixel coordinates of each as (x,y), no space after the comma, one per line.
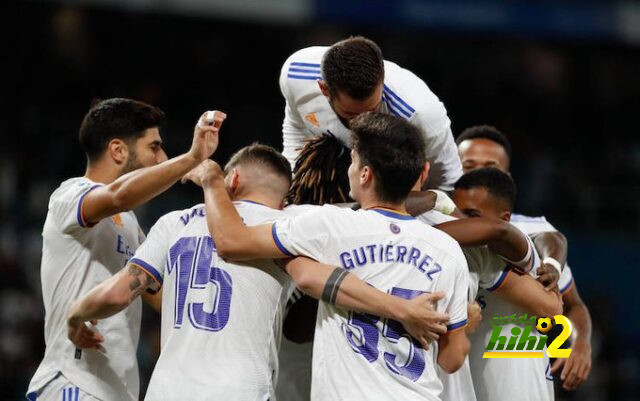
(498,183)
(486,132)
(393,148)
(264,155)
(320,174)
(354,66)
(120,118)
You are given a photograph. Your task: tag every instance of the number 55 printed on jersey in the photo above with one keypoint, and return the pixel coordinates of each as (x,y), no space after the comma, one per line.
(191,260)
(363,334)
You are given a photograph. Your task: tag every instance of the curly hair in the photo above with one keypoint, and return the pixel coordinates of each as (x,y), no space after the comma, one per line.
(320,173)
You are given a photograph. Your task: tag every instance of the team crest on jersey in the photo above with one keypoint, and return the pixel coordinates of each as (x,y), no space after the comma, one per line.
(117,220)
(394,228)
(312,119)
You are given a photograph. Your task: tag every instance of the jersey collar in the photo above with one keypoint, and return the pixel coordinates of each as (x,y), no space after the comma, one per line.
(392,213)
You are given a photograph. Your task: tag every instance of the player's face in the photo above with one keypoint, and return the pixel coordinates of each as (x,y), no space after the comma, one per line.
(346,107)
(354,175)
(478,202)
(481,152)
(146,151)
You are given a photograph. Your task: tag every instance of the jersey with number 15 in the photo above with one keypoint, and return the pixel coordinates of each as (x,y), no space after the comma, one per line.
(360,356)
(221,321)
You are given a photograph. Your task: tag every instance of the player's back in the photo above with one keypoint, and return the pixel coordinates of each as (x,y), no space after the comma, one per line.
(358,356)
(76,257)
(221,321)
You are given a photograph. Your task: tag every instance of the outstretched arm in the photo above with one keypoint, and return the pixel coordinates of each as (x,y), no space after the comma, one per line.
(105,300)
(139,186)
(500,236)
(337,286)
(234,240)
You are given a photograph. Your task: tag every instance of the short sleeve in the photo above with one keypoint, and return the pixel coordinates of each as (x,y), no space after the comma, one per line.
(302,235)
(66,205)
(491,270)
(457,308)
(151,256)
(566,279)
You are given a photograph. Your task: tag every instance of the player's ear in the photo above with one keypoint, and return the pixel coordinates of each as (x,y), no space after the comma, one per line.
(366,176)
(506,215)
(118,150)
(324,88)
(424,175)
(234,181)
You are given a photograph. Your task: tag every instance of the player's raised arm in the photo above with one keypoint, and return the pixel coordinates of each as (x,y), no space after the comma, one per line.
(336,286)
(233,239)
(501,237)
(105,300)
(139,186)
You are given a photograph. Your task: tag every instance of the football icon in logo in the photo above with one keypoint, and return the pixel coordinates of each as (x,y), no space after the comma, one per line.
(544,325)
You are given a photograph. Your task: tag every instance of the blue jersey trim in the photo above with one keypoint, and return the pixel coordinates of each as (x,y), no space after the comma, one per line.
(148,268)
(281,247)
(298,63)
(309,77)
(391,104)
(32,396)
(498,283)
(456,325)
(304,70)
(566,287)
(395,215)
(392,93)
(79,215)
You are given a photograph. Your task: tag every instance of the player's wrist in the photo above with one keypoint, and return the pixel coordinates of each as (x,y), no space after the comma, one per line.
(554,263)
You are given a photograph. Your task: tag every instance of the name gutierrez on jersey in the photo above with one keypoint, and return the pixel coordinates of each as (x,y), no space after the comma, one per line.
(390,253)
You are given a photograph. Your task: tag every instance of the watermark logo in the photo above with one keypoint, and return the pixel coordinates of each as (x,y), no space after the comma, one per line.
(523,342)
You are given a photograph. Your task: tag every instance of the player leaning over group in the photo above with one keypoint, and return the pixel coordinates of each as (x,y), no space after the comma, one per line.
(486,146)
(325,87)
(358,356)
(90,233)
(221,321)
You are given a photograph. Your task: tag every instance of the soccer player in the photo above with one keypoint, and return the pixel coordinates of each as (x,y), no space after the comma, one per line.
(90,233)
(489,192)
(360,356)
(221,321)
(326,87)
(486,146)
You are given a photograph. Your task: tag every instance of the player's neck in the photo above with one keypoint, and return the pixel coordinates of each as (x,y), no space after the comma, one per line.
(378,204)
(102,173)
(259,199)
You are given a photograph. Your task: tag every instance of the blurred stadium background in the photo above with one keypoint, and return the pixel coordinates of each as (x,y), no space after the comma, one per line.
(561,78)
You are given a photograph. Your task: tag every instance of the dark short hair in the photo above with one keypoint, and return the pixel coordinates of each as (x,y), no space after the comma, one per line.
(265,156)
(393,148)
(120,118)
(498,183)
(486,132)
(354,66)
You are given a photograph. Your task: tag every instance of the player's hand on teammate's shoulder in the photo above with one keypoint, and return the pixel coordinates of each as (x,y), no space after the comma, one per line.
(205,134)
(82,336)
(204,173)
(421,319)
(548,276)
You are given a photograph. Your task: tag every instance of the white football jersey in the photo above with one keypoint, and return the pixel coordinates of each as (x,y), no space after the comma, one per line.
(308,113)
(76,258)
(221,321)
(500,379)
(395,253)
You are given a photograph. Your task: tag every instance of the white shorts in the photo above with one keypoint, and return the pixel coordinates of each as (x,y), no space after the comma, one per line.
(60,389)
